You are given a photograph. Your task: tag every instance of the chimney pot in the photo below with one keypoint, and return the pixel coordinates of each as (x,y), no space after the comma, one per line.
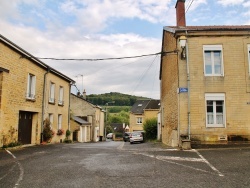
(180,13)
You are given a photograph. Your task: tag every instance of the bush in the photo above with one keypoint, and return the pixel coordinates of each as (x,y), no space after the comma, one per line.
(67,141)
(150,128)
(118,135)
(68,133)
(47,132)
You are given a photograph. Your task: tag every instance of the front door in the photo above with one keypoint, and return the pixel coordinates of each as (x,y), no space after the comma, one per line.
(25,127)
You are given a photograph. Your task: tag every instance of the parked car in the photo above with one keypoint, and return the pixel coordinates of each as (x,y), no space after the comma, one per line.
(109,136)
(126,136)
(135,137)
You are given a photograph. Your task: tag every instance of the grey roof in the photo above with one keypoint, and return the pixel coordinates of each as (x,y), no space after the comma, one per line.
(80,120)
(175,29)
(141,105)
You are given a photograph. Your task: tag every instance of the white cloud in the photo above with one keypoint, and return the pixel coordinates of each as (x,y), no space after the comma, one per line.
(230,2)
(97,15)
(195,4)
(99,77)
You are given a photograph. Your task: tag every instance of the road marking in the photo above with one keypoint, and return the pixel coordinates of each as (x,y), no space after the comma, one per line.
(201,159)
(181,158)
(209,164)
(20,178)
(161,158)
(120,147)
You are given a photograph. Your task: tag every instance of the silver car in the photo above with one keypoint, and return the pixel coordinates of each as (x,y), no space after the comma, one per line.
(135,137)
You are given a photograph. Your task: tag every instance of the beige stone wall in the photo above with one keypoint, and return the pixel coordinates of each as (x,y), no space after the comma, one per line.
(133,126)
(80,107)
(235,84)
(148,114)
(169,85)
(13,95)
(55,108)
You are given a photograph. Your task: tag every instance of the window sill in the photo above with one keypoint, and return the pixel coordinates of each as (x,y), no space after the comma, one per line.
(31,99)
(61,105)
(53,103)
(215,126)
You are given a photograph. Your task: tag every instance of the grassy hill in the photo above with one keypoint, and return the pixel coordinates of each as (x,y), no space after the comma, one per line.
(119,98)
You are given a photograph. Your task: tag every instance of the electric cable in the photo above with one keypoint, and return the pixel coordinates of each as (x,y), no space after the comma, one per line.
(143,75)
(102,59)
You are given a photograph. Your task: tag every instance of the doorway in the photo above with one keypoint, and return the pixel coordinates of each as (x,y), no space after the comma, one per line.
(25,127)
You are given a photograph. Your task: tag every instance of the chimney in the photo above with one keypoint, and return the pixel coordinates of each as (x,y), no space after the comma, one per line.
(180,13)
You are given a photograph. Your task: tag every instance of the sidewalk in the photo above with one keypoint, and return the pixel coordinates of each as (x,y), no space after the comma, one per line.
(229,144)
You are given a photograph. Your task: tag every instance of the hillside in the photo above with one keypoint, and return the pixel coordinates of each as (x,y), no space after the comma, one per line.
(119,98)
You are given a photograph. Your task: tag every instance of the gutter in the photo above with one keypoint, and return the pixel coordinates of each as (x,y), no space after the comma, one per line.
(44,88)
(188,86)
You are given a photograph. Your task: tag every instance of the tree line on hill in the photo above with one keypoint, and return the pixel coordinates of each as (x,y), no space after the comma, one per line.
(118,98)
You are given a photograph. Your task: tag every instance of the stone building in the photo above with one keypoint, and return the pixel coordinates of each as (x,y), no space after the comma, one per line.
(30,92)
(205,82)
(94,114)
(142,110)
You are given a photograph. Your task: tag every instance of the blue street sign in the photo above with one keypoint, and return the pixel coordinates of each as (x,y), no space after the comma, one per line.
(183,90)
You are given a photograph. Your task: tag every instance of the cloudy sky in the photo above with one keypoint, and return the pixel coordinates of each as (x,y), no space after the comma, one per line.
(90,29)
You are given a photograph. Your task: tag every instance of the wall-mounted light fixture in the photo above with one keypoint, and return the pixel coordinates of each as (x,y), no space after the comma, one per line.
(182,42)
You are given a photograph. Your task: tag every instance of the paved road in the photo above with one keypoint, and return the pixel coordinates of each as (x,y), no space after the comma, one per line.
(119,164)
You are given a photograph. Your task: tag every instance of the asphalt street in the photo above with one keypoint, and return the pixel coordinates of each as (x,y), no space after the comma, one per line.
(120,164)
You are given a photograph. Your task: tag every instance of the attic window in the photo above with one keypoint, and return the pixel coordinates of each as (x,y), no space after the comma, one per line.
(139,104)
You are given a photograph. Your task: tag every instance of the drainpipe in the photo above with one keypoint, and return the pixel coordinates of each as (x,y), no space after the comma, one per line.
(44,89)
(188,85)
(70,84)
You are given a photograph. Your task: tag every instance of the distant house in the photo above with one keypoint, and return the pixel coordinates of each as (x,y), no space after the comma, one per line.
(94,114)
(81,129)
(142,110)
(30,92)
(205,82)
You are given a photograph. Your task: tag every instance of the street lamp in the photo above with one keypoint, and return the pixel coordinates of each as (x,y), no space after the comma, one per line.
(182,42)
(111,102)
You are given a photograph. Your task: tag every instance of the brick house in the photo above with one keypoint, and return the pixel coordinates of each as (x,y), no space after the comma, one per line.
(94,114)
(205,82)
(30,91)
(142,110)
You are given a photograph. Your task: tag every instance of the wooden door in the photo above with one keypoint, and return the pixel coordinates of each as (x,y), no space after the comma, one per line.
(25,127)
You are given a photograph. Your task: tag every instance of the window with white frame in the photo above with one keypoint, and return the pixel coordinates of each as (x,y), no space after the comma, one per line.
(215,110)
(60,101)
(139,120)
(52,93)
(59,121)
(31,86)
(51,119)
(213,60)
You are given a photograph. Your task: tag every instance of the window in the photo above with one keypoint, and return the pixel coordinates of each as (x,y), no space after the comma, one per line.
(213,60)
(139,120)
(215,110)
(59,121)
(60,101)
(31,87)
(52,93)
(51,119)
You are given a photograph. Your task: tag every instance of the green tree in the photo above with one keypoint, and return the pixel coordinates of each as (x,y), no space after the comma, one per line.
(150,128)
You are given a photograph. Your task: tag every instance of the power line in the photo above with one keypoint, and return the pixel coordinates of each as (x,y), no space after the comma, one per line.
(102,59)
(98,59)
(189,6)
(143,75)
